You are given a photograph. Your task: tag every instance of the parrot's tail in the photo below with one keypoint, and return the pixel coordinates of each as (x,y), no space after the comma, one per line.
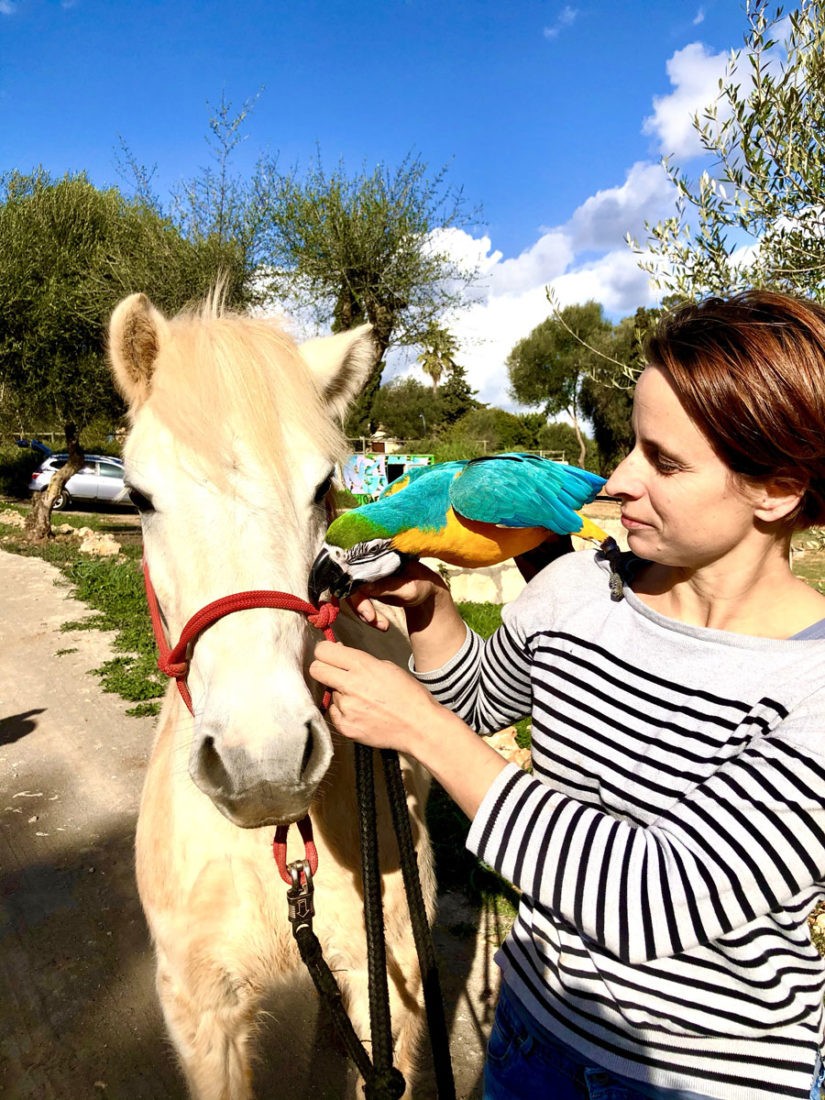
(590,530)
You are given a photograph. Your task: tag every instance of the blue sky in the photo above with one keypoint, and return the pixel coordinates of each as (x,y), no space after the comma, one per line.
(551,116)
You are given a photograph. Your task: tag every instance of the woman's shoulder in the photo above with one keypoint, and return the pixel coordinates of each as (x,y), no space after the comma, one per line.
(567,584)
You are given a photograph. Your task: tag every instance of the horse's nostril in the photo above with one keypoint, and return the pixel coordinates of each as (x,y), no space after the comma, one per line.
(308,747)
(211,767)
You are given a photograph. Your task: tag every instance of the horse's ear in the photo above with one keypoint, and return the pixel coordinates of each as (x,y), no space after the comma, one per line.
(341,365)
(136,330)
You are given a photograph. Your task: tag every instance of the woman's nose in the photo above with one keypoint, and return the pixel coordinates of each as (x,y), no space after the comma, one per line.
(621,482)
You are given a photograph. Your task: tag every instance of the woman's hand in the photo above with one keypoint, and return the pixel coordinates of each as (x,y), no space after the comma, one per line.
(380,705)
(374,701)
(414,586)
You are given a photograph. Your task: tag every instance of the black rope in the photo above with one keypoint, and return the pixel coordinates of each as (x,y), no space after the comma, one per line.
(382,1081)
(433,1000)
(380,1023)
(327,986)
(616,559)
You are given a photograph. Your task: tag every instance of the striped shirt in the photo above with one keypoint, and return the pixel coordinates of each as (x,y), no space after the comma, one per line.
(670,841)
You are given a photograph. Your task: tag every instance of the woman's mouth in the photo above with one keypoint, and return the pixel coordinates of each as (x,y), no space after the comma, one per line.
(631,524)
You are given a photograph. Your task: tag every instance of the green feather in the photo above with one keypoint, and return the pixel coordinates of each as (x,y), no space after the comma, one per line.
(353,527)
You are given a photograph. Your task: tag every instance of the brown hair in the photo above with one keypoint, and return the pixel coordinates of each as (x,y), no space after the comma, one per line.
(750,372)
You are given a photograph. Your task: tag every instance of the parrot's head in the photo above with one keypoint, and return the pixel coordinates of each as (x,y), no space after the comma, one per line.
(336,570)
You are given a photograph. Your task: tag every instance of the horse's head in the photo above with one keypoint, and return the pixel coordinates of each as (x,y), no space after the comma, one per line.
(234,436)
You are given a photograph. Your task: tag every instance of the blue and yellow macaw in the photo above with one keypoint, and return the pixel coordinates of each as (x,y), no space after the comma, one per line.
(473,513)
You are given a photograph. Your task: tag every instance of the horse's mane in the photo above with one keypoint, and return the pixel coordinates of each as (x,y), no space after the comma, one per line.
(225,378)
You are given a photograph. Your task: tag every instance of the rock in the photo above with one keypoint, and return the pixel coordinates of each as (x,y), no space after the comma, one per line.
(96,543)
(12,518)
(505,744)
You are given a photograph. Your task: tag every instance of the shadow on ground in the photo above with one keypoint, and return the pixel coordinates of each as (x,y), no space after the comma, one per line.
(78,1015)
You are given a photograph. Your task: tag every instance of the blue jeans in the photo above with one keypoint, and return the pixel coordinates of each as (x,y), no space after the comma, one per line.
(819,1079)
(525,1063)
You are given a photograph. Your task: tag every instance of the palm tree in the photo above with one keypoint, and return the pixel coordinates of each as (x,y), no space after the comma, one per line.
(438,354)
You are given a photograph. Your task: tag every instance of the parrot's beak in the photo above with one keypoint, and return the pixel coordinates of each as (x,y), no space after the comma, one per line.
(327,578)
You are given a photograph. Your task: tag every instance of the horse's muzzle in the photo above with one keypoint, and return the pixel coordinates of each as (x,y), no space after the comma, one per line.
(254,792)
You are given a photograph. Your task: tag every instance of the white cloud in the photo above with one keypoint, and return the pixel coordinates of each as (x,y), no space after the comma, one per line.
(584,258)
(603,220)
(694,74)
(547,258)
(699,17)
(7,7)
(511,299)
(566,18)
(615,280)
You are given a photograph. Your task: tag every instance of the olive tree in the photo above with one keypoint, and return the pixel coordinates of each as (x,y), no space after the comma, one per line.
(364,247)
(548,367)
(68,253)
(756,216)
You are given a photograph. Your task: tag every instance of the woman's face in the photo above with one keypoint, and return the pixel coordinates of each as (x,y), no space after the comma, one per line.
(681,506)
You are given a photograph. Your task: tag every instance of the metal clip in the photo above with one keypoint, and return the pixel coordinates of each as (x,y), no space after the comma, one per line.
(299,894)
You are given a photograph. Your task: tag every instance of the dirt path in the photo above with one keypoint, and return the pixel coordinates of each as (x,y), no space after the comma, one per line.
(78,1016)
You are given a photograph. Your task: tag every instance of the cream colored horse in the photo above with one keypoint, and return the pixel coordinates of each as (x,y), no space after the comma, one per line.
(234,436)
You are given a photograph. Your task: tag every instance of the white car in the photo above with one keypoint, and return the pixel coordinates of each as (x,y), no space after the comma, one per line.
(100,479)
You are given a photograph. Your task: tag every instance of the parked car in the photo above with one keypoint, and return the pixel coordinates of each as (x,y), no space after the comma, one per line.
(101,479)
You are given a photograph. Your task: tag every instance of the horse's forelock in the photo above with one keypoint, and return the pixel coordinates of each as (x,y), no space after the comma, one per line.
(225,378)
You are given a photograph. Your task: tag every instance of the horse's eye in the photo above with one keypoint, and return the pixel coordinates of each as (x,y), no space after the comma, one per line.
(323,489)
(141,502)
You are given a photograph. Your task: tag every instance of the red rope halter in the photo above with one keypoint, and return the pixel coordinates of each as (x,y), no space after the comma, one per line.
(174,661)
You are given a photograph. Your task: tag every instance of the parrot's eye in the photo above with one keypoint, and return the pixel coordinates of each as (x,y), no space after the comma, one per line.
(323,488)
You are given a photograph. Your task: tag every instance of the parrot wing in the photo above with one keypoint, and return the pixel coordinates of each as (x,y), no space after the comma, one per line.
(521,490)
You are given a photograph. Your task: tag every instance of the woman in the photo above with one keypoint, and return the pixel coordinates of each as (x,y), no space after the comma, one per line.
(670,841)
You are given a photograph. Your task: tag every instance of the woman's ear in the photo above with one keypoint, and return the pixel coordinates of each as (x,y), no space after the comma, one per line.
(777,498)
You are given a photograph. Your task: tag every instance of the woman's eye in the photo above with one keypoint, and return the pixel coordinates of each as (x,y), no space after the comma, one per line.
(666,466)
(322,490)
(141,502)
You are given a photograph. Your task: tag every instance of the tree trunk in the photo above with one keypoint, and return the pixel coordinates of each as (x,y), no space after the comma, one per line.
(39,520)
(579,437)
(359,418)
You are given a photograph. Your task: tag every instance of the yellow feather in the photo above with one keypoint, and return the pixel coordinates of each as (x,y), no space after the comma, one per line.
(470,544)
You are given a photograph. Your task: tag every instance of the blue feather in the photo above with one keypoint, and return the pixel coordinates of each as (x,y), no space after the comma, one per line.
(524,490)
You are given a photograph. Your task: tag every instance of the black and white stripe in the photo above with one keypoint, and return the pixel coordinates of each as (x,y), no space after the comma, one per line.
(670,841)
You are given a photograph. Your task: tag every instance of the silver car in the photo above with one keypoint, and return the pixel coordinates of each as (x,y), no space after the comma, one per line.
(100,479)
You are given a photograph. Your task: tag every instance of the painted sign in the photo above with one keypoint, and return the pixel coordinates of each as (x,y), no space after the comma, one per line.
(367,475)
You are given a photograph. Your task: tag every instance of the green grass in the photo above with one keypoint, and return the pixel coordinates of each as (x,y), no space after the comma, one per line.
(483,618)
(114,590)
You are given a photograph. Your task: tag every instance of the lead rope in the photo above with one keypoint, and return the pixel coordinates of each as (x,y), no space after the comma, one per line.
(386,1080)
(422,933)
